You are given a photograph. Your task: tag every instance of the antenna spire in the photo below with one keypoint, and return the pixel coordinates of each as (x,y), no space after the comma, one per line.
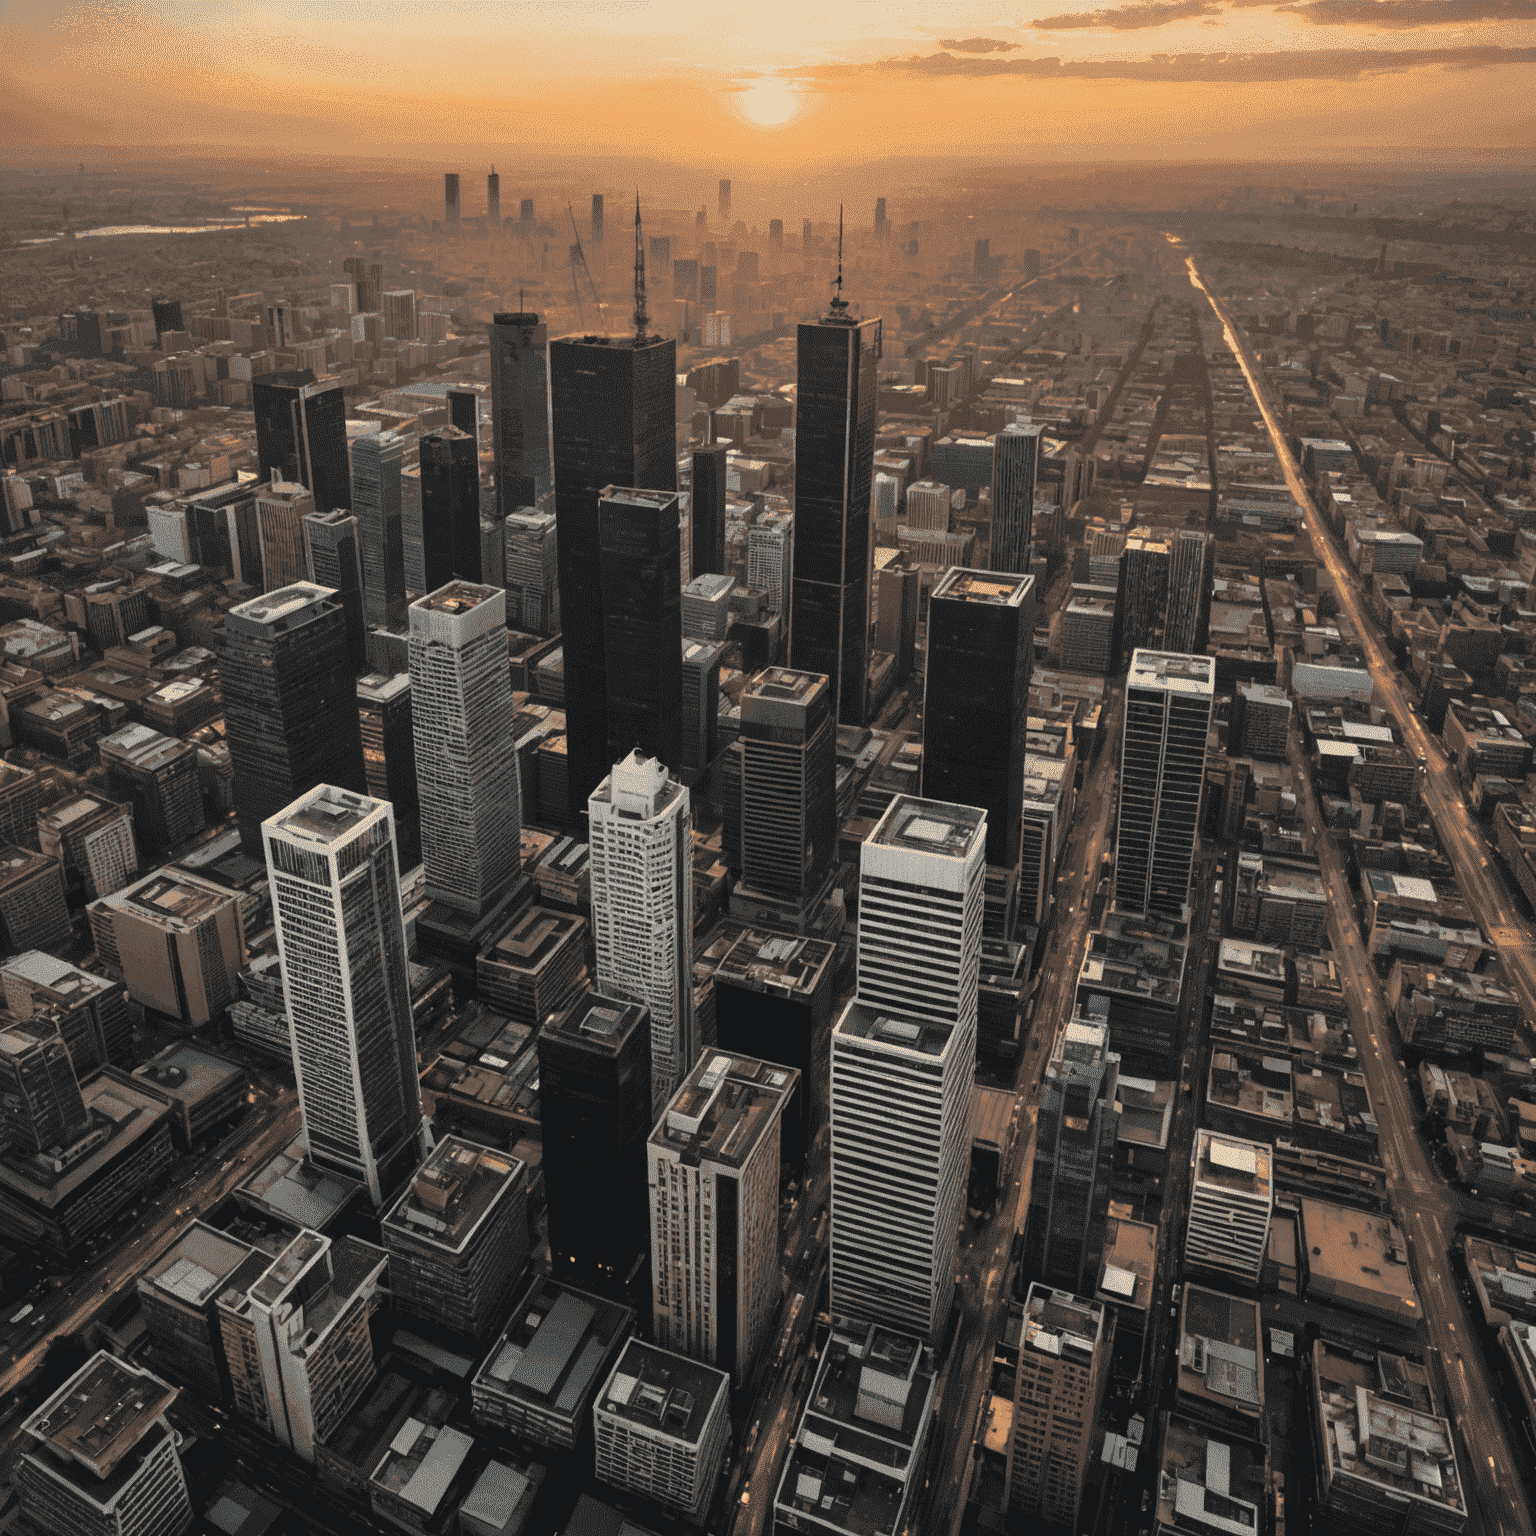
(839,303)
(641,318)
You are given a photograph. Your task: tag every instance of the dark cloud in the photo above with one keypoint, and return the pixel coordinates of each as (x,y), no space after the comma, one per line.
(1172,69)
(1129,18)
(1405,14)
(977,45)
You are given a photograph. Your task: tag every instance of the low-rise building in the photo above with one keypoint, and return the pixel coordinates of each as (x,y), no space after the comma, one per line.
(1209,1484)
(535,967)
(205,1090)
(1221,1364)
(1230,1203)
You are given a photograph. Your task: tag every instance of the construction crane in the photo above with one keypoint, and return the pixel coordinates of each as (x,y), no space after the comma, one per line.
(579,255)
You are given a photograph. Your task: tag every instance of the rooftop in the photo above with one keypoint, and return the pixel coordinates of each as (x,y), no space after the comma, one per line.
(663,1391)
(452,1192)
(292,1189)
(961,585)
(635,496)
(142,746)
(893,1031)
(1355,1255)
(1057,1322)
(195,1266)
(324,816)
(1172,672)
(932,827)
(1210,1483)
(723,1109)
(598,1023)
(770,962)
(186,1071)
(1242,1166)
(1219,1350)
(100,1414)
(1128,1263)
(457,597)
(421,1463)
(280,609)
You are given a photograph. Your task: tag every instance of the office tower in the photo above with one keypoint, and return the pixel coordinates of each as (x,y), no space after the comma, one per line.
(101,1458)
(1074,1158)
(595,1110)
(466,760)
(614,411)
(788,812)
(713,1164)
(642,622)
(880,215)
(280,325)
(838,363)
(167,315)
(369,277)
(662,1424)
(160,774)
(725,197)
(333,560)
(661,255)
(33,911)
(1168,701)
(535,967)
(525,214)
(896,628)
(1015,473)
(411,543)
(21,802)
(301,433)
(770,559)
(224,531)
(707,607)
(464,412)
(520,409)
(701,702)
(1230,1201)
(40,1101)
(1143,588)
(450,508)
(457,1238)
(1187,589)
(281,507)
(335,887)
(399,312)
(1063,1370)
(707,508)
(1088,630)
(296,1338)
(903,1068)
(451,197)
(531,552)
(981,637)
(708,296)
(640,836)
(389,756)
(597,218)
(289,702)
(93,840)
(91,1011)
(1045,815)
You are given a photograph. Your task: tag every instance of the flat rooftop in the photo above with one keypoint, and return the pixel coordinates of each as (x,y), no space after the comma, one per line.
(1230,1163)
(457,597)
(1213,1483)
(771,962)
(294,1190)
(100,1414)
(968,586)
(279,609)
(187,1072)
(380,688)
(1219,1349)
(893,1031)
(662,1391)
(325,816)
(932,827)
(779,685)
(142,746)
(723,1110)
(1057,1322)
(597,1023)
(1128,1263)
(1171,671)
(1360,1255)
(196,1266)
(452,1193)
(635,496)
(535,935)
(37,970)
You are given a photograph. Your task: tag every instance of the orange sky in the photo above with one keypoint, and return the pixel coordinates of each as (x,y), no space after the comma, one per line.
(685,79)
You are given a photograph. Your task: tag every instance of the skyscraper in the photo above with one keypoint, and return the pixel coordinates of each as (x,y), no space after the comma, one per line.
(725,197)
(464,412)
(639,554)
(493,198)
(1187,590)
(466,761)
(389,755)
(595,1109)
(376,492)
(520,409)
(399,313)
(1015,473)
(614,414)
(981,636)
(281,507)
(707,509)
(290,708)
(837,366)
(301,432)
(597,218)
(450,507)
(331,547)
(167,316)
(1074,1158)
(641,830)
(40,1101)
(451,196)
(1168,701)
(1143,588)
(1231,1202)
(903,1068)
(332,867)
(770,560)
(159,774)
(532,569)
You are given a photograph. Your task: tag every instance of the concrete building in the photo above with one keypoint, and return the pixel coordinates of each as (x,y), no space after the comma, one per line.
(771,558)
(160,774)
(532,557)
(1209,1485)
(280,510)
(1188,589)
(1045,815)
(40,1102)
(713,1170)
(333,559)
(376,504)
(91,1011)
(389,755)
(1230,1202)
(93,841)
(707,606)
(1220,1374)
(1088,631)
(34,913)
(205,1090)
(535,967)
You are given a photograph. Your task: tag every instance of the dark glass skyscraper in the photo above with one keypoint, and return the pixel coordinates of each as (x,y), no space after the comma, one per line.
(301,432)
(981,631)
(450,507)
(451,196)
(331,543)
(642,623)
(464,412)
(493,198)
(167,313)
(376,493)
(520,410)
(1015,472)
(707,511)
(838,365)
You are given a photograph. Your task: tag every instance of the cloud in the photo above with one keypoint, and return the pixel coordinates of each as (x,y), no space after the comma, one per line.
(977,45)
(1170,68)
(1400,15)
(1129,18)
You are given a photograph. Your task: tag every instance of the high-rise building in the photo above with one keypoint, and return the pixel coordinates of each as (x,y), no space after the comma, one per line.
(614,407)
(1015,473)
(290,706)
(1088,630)
(333,560)
(897,592)
(224,532)
(1168,701)
(160,774)
(771,559)
(1074,1158)
(21,803)
(1188,552)
(707,508)
(91,1011)
(837,366)
(713,1162)
(981,646)
(520,408)
(525,213)
(493,198)
(1143,588)
(376,491)
(532,571)
(389,755)
(101,1458)
(1045,815)
(903,1067)
(707,607)
(457,1238)
(466,759)
(281,508)
(597,218)
(701,702)
(451,196)
(412,545)
(1063,1369)
(450,508)
(40,1101)
(725,197)
(639,551)
(167,316)
(788,809)
(399,313)
(535,967)
(464,411)
(641,838)
(333,871)
(301,434)
(1231,1199)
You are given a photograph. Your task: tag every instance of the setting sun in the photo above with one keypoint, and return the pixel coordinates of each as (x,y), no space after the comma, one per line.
(769,103)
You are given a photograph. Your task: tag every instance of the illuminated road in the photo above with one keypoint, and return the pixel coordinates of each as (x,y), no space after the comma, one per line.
(1425,1207)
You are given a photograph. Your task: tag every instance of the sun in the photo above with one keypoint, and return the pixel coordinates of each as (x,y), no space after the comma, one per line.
(769,103)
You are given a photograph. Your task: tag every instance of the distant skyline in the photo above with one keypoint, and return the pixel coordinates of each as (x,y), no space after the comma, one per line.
(786,85)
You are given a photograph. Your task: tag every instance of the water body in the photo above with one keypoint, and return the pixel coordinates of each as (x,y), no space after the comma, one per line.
(171,229)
